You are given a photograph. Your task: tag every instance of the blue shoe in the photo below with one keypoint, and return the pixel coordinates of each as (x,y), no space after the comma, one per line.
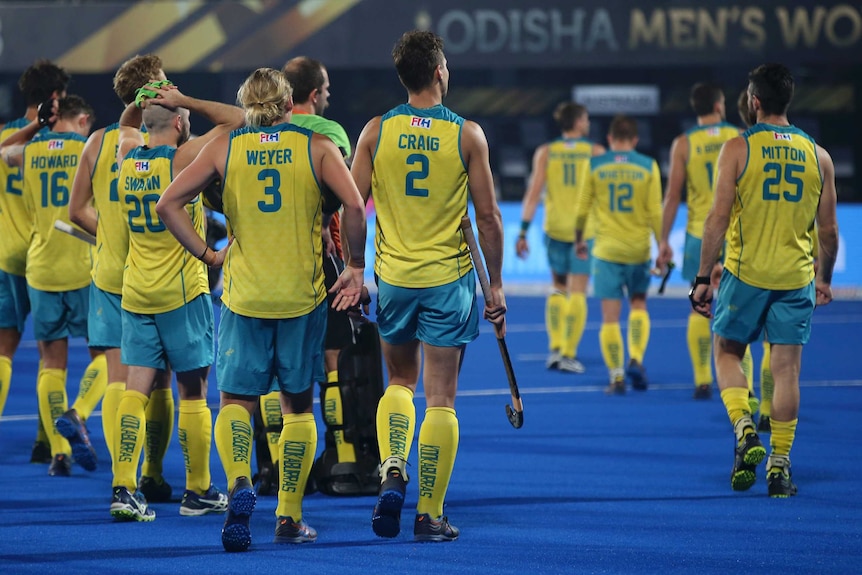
(236,534)
(426,528)
(213,501)
(386,519)
(70,426)
(289,531)
(126,506)
(636,374)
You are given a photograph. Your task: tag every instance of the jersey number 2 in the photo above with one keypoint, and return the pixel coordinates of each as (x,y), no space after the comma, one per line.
(418,174)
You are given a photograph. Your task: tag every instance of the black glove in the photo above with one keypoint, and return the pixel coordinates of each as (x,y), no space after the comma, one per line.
(46,111)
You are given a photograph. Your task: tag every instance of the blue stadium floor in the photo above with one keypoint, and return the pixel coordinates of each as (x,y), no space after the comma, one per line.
(590,484)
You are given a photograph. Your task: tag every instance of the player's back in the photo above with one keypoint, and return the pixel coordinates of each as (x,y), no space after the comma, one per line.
(568,159)
(778,192)
(419,186)
(55,261)
(160,275)
(704,145)
(626,191)
(325,127)
(273,205)
(14,219)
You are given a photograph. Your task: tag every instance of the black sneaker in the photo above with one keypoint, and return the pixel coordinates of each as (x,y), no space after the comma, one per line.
(749,451)
(289,531)
(616,387)
(703,391)
(778,477)
(764,425)
(70,426)
(60,466)
(155,490)
(266,479)
(386,519)
(126,506)
(636,373)
(236,534)
(213,501)
(425,528)
(41,452)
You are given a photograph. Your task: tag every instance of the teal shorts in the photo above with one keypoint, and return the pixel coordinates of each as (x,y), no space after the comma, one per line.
(443,316)
(14,302)
(691,257)
(105,321)
(256,356)
(562,259)
(180,339)
(58,315)
(743,311)
(615,281)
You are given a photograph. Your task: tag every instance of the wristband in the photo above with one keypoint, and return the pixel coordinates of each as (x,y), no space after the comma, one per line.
(525,225)
(203,253)
(700,280)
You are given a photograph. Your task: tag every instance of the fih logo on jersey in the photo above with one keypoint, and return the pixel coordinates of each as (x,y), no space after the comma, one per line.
(268,138)
(779,136)
(621,159)
(417,122)
(142,165)
(712,131)
(55,144)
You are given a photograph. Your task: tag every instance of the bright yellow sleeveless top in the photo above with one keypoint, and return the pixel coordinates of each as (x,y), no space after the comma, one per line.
(704,144)
(160,275)
(419,186)
(56,261)
(15,222)
(769,240)
(568,162)
(273,207)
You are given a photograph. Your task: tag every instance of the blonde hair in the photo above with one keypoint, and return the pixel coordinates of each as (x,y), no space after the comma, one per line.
(264,96)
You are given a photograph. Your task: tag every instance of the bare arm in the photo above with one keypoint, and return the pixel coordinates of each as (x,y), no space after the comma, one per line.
(584,207)
(361,167)
(81,209)
(655,208)
(531,198)
(675,181)
(598,150)
(827,224)
(130,132)
(336,176)
(12,148)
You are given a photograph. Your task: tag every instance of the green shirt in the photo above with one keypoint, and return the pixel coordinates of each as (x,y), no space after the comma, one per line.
(324,127)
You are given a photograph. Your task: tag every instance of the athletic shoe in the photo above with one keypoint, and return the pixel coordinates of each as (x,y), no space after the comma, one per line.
(749,451)
(425,528)
(236,535)
(553,361)
(127,506)
(616,387)
(753,403)
(571,365)
(703,391)
(213,501)
(386,519)
(60,466)
(288,531)
(266,479)
(70,426)
(636,374)
(778,478)
(41,452)
(155,490)
(764,425)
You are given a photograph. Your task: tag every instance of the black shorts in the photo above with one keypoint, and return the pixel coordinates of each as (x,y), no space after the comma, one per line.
(339,327)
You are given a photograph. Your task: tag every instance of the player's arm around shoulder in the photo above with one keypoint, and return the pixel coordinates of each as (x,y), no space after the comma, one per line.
(82,212)
(363,156)
(130,136)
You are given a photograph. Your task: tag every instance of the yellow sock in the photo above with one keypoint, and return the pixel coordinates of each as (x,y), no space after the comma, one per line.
(298,443)
(554,307)
(576,321)
(5,380)
(160,427)
(129,440)
(736,403)
(110,403)
(333,414)
(699,339)
(783,434)
(41,434)
(53,403)
(92,387)
(638,334)
(767,384)
(611,342)
(270,411)
(438,445)
(233,435)
(396,422)
(748,368)
(195,432)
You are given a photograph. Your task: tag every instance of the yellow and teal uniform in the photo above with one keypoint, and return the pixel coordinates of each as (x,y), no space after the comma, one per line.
(14,219)
(56,262)
(568,162)
(419,186)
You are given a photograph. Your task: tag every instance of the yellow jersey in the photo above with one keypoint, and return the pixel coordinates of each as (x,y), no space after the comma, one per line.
(14,219)
(769,240)
(419,186)
(568,163)
(56,262)
(704,144)
(160,274)
(273,205)
(623,190)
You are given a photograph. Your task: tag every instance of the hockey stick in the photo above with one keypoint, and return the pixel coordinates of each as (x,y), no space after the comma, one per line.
(74,232)
(670,266)
(515,412)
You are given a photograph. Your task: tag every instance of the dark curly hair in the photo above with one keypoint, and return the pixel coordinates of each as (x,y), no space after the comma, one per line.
(417,54)
(39,82)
